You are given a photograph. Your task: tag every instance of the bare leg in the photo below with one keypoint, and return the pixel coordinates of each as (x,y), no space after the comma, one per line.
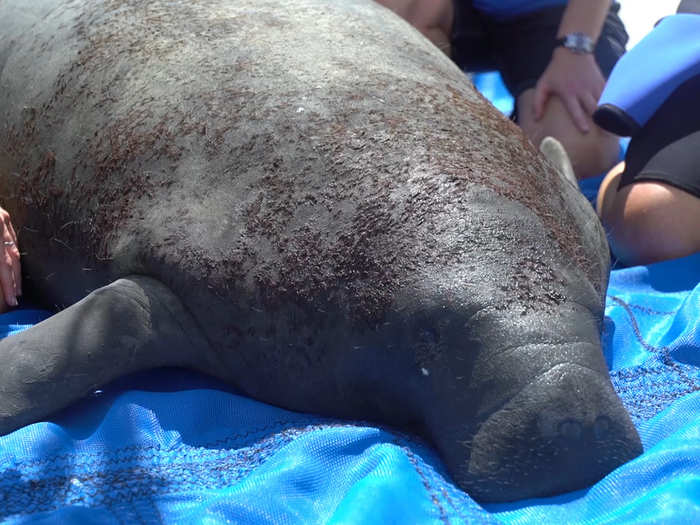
(591,153)
(648,221)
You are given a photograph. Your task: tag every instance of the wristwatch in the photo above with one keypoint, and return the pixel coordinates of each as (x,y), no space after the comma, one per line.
(579,43)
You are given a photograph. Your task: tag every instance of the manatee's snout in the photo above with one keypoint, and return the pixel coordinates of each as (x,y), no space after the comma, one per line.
(565,431)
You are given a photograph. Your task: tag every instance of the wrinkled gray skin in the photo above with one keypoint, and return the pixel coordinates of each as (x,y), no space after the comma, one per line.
(308,200)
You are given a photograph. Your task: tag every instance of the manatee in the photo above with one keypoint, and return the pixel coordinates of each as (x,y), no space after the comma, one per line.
(307,200)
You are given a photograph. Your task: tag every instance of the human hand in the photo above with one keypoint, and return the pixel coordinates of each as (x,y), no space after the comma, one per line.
(10,271)
(577,80)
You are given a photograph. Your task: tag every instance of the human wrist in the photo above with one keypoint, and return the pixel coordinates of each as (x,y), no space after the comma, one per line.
(576,42)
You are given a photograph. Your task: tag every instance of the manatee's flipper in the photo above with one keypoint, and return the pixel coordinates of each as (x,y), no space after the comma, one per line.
(133,324)
(555,153)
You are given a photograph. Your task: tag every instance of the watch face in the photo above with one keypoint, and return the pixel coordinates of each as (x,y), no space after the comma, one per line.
(579,42)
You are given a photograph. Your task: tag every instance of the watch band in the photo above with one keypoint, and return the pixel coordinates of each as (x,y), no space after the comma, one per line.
(579,43)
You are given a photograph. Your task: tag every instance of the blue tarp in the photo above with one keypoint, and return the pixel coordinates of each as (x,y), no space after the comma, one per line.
(170,446)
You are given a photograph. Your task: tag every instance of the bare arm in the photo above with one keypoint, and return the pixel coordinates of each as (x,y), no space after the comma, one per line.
(575,78)
(585,16)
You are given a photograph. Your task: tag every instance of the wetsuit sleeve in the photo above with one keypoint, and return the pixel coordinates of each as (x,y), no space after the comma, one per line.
(647,74)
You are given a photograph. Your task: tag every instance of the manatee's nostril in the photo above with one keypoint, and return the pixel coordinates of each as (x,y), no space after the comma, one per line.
(570,429)
(601,427)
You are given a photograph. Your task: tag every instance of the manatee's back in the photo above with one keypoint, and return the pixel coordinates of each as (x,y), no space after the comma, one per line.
(139,129)
(305,152)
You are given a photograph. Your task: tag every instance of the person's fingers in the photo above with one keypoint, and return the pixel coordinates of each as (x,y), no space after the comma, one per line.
(7,280)
(14,252)
(10,270)
(541,94)
(16,269)
(574,108)
(598,84)
(589,103)
(11,229)
(598,91)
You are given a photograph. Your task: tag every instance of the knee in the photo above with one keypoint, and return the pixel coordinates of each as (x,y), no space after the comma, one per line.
(649,222)
(591,154)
